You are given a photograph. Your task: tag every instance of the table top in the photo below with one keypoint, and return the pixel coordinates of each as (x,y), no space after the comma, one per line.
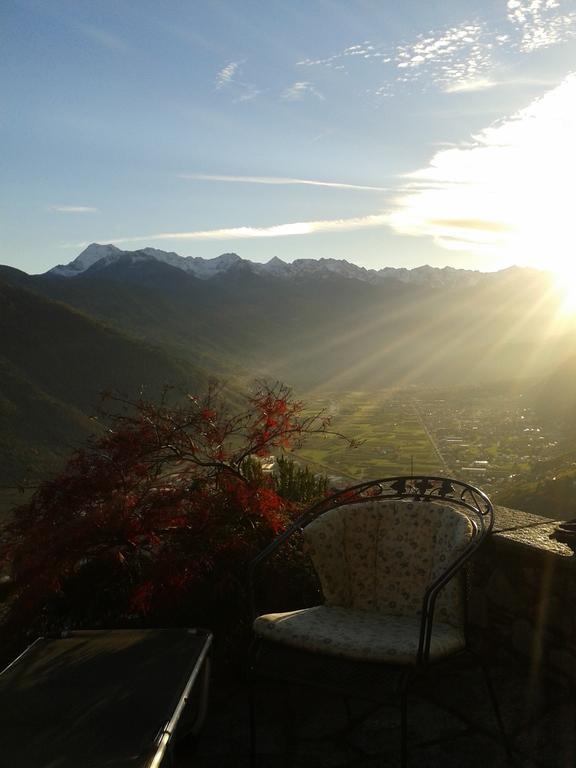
(96,698)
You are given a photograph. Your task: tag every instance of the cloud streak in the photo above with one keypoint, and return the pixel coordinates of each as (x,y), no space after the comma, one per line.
(226,75)
(278,230)
(300,90)
(228,78)
(469,86)
(358,52)
(72,209)
(104,38)
(280,181)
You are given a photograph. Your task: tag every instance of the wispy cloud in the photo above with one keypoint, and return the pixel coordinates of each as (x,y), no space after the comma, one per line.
(460,58)
(229,78)
(541,23)
(73,209)
(479,225)
(357,52)
(226,75)
(278,230)
(246,92)
(468,86)
(300,90)
(104,38)
(322,135)
(508,192)
(280,181)
(453,59)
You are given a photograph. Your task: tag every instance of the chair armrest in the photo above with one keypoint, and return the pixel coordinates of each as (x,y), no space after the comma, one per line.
(432,592)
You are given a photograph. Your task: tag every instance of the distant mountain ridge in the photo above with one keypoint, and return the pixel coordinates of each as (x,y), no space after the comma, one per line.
(99,256)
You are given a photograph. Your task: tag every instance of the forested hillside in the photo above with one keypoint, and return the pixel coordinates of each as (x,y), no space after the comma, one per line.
(54,363)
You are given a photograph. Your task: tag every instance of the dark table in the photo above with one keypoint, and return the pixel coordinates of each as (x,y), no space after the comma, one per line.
(102,698)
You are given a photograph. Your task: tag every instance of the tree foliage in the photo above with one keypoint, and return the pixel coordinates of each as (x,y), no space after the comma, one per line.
(156,519)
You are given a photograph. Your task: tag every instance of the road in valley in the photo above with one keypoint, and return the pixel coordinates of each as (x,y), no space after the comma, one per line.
(431,438)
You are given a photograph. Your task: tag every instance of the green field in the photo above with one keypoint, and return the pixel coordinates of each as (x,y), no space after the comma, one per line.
(393,436)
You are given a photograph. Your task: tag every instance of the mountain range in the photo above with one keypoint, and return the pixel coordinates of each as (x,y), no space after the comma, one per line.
(96,257)
(114,319)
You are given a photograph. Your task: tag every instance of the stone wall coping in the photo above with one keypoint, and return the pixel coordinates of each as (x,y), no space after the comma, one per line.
(533,531)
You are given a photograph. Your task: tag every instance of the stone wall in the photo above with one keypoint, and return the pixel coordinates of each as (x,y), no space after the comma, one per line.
(523,596)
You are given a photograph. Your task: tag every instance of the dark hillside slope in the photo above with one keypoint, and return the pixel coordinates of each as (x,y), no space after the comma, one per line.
(555,396)
(549,487)
(54,362)
(37,431)
(151,302)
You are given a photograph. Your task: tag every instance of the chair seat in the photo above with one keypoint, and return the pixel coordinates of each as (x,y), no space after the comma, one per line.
(357,634)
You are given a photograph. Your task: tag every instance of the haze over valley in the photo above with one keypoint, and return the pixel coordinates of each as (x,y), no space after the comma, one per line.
(385,351)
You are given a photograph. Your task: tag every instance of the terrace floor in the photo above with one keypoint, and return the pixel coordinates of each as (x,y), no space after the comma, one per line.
(451,724)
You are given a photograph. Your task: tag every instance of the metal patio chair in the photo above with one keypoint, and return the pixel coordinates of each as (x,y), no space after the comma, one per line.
(389,555)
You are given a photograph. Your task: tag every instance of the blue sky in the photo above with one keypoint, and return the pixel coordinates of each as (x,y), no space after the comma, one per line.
(432,133)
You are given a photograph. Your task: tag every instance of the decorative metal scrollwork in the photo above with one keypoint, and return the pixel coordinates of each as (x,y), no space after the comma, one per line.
(415,488)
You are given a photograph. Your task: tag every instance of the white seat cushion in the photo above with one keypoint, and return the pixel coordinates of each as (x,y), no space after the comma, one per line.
(357,634)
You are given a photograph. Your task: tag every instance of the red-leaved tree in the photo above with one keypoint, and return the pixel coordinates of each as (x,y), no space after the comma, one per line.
(155,519)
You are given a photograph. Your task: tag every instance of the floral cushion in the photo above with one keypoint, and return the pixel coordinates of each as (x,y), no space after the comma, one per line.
(382,555)
(357,634)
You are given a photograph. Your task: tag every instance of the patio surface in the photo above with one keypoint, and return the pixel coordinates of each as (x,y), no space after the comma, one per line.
(451,725)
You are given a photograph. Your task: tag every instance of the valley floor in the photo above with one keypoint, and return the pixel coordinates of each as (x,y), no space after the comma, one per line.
(481,435)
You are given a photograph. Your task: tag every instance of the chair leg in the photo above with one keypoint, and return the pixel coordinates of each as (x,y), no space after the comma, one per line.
(348,710)
(496,709)
(252,726)
(404,729)
(290,727)
(404,721)
(253,655)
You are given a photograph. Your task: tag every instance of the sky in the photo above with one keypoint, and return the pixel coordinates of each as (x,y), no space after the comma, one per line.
(385,133)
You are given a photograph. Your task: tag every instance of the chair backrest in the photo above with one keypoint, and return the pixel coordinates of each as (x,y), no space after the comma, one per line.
(383,554)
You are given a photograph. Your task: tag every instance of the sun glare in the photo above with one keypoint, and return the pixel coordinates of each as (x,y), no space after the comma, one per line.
(508,194)
(566,286)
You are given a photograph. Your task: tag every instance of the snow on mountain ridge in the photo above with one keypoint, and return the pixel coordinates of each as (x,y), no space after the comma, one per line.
(275,267)
(124,257)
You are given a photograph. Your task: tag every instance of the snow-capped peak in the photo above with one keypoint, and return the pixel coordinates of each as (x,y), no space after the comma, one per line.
(89,256)
(275,267)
